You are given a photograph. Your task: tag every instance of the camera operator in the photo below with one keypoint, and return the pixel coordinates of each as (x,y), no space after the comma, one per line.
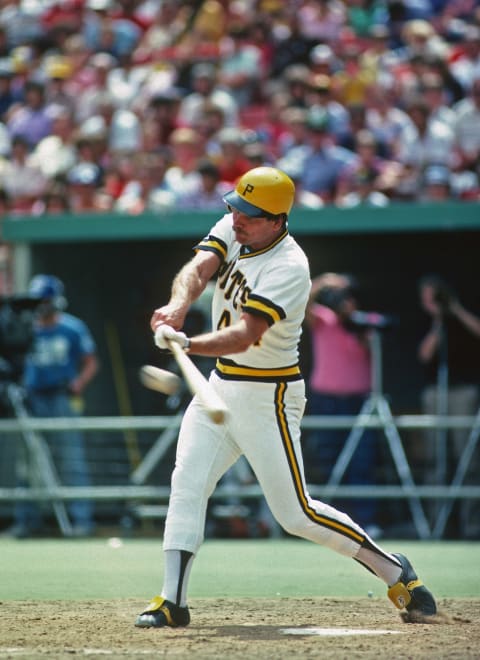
(450,347)
(61,363)
(340,382)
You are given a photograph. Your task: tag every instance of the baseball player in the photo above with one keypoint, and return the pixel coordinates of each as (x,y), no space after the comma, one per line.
(262,289)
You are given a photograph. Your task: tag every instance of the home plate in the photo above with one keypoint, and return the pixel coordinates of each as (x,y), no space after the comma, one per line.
(336,632)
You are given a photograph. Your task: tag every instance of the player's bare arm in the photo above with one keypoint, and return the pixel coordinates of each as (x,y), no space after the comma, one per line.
(187,286)
(233,339)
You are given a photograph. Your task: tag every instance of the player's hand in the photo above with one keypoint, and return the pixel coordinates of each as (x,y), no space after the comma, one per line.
(165,333)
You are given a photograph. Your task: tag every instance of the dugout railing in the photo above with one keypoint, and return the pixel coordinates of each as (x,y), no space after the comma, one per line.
(136,489)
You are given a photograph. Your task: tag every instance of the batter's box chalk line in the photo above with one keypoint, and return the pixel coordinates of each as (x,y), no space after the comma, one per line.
(336,632)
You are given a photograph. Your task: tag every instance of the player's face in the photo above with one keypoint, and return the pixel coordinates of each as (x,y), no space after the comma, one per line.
(255,232)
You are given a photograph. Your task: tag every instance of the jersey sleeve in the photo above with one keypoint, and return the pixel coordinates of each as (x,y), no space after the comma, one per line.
(219,239)
(282,292)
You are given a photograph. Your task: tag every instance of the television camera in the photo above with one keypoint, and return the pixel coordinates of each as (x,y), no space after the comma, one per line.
(16,337)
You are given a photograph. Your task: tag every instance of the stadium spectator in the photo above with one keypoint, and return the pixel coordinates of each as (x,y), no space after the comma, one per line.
(55,200)
(158,65)
(319,94)
(84,182)
(370,179)
(23,181)
(30,120)
(339,383)
(427,141)
(147,189)
(436,184)
(448,352)
(55,154)
(232,162)
(323,162)
(159,118)
(187,148)
(61,364)
(9,96)
(240,66)
(466,126)
(210,191)
(465,62)
(205,88)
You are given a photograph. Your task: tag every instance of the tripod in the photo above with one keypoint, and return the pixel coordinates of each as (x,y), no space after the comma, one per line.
(376,404)
(37,448)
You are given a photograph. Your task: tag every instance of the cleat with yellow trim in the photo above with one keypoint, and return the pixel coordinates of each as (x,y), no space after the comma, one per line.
(410,593)
(162,613)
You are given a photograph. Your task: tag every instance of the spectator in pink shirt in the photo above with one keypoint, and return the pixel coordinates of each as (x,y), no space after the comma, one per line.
(339,383)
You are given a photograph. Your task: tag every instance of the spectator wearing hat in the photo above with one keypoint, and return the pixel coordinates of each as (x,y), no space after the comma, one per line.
(204,88)
(84,182)
(58,71)
(436,184)
(95,76)
(323,60)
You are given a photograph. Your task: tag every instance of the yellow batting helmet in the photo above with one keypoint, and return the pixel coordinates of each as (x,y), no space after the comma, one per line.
(262,191)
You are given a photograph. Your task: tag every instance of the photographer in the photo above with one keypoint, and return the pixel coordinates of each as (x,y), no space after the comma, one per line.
(340,381)
(58,368)
(450,354)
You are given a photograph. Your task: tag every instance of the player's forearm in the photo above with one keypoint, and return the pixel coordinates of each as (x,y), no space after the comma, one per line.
(469,320)
(234,339)
(429,345)
(187,286)
(87,373)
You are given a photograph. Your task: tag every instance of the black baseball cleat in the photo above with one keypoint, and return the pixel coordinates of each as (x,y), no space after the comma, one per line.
(410,593)
(161,613)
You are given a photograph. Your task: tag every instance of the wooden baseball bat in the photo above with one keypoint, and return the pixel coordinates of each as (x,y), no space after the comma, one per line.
(199,385)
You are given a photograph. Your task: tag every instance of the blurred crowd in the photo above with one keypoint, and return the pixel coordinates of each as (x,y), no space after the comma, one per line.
(144,105)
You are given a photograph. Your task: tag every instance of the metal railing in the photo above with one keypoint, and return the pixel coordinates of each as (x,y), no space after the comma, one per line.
(137,490)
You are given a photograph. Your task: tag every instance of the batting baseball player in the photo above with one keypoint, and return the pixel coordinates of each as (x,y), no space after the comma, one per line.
(262,288)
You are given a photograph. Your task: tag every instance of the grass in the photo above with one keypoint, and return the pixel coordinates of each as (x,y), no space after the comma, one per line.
(98,569)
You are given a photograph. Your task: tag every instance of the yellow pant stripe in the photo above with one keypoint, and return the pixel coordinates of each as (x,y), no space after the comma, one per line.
(295,470)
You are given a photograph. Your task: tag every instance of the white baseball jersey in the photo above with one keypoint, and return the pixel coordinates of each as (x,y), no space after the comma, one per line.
(264,393)
(274,283)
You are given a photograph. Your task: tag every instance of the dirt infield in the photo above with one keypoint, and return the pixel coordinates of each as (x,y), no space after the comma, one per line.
(247,629)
